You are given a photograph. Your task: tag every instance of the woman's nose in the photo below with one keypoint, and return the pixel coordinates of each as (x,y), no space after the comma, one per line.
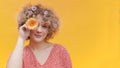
(39,29)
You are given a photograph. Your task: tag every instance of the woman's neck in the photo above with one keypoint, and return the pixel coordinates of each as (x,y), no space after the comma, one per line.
(38,45)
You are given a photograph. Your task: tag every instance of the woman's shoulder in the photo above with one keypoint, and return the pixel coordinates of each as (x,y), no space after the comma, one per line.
(60,48)
(26,50)
(62,51)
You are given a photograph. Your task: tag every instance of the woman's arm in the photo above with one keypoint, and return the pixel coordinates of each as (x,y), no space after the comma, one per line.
(15,60)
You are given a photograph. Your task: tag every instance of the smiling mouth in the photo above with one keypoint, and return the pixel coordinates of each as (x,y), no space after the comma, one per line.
(37,35)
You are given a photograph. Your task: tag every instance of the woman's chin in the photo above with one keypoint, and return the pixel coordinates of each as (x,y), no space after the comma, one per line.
(38,39)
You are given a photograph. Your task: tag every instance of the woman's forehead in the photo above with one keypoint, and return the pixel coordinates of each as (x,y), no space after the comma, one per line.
(39,18)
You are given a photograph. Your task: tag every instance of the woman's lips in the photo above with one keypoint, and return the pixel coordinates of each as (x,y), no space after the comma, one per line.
(38,35)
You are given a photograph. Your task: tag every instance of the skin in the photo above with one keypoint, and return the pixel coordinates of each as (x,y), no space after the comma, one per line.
(38,45)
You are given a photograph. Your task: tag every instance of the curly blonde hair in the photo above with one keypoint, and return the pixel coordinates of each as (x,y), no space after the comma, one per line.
(30,11)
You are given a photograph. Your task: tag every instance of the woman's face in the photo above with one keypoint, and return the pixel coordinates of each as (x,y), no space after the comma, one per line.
(40,33)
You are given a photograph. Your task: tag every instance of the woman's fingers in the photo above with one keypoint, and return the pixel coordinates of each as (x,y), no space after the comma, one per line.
(23,27)
(24,31)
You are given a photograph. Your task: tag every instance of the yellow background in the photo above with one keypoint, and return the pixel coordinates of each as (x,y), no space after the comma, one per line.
(89,30)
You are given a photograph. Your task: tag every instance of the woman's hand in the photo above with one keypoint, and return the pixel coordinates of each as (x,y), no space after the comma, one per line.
(24,32)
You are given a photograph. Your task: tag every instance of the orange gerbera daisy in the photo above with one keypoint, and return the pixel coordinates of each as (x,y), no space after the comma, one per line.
(31,23)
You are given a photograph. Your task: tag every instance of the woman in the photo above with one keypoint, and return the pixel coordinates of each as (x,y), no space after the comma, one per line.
(39,53)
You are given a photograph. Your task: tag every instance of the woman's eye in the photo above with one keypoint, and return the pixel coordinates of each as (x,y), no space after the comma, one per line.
(44,26)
